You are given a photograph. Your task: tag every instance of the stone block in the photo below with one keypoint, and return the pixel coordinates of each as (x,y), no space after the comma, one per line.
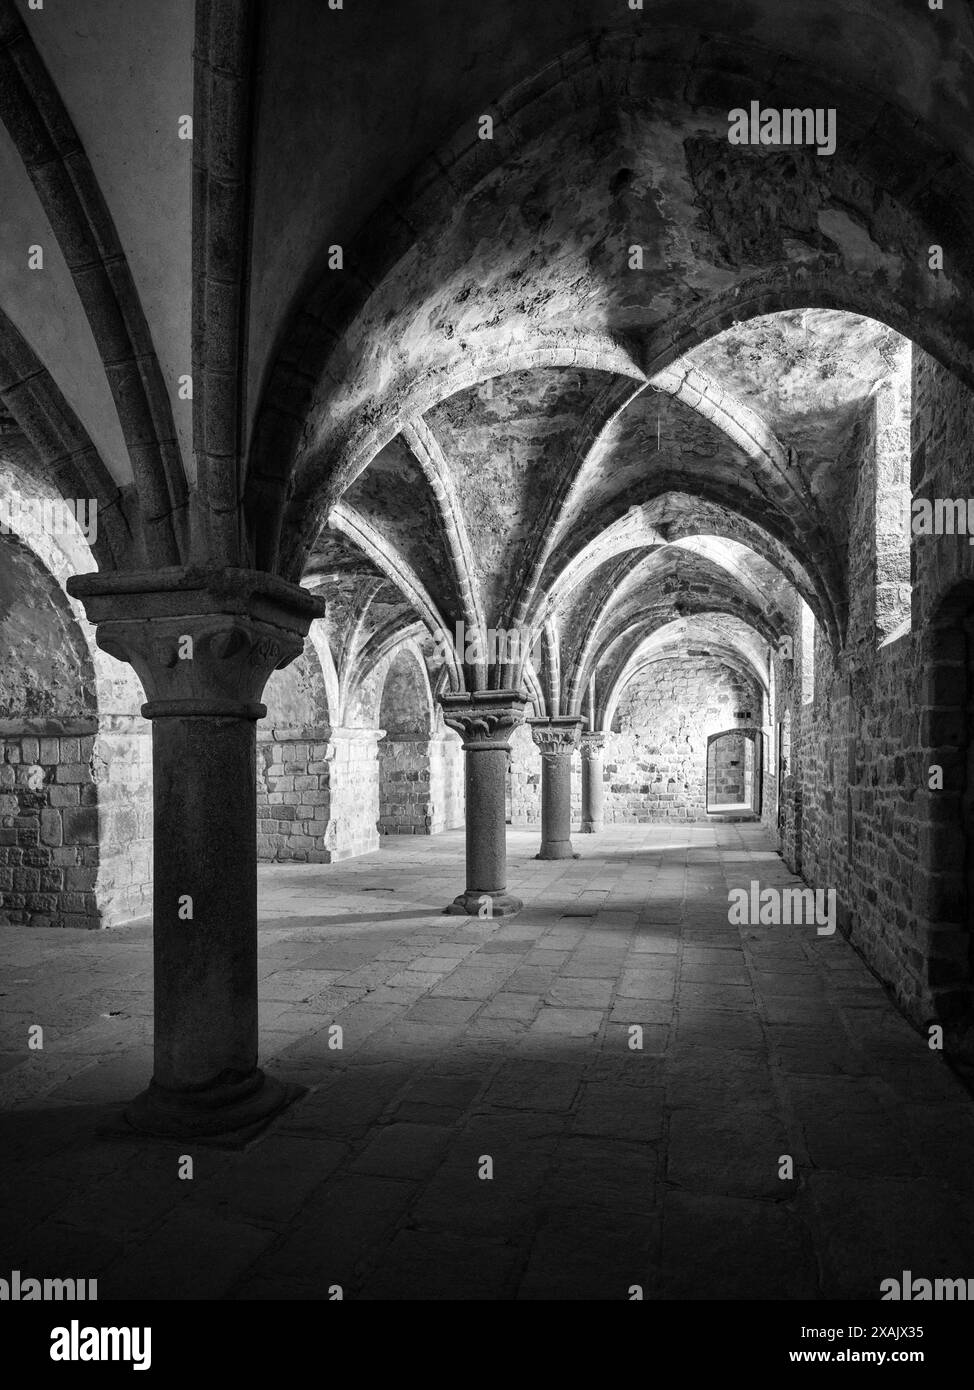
(80,825)
(63,796)
(73,772)
(51,828)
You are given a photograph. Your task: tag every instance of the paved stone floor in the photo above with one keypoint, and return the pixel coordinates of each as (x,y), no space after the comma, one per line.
(507,1040)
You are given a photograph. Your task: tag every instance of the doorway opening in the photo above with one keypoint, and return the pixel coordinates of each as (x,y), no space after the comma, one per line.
(734,766)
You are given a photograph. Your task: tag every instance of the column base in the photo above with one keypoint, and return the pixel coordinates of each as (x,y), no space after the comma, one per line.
(227,1114)
(590,827)
(471,905)
(560,849)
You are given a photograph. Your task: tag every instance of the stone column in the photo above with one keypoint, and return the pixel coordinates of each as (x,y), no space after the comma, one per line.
(557,738)
(203,644)
(592,785)
(485,721)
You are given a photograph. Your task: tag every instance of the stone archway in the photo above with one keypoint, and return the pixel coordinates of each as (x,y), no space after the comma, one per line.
(735,771)
(76,774)
(48,722)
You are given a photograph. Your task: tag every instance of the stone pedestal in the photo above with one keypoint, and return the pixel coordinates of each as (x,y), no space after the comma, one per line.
(203,644)
(592,784)
(485,721)
(557,738)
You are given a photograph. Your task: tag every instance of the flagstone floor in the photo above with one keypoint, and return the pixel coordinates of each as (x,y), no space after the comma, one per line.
(490,1128)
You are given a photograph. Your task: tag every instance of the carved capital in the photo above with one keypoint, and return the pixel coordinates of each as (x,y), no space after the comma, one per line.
(201,642)
(592,743)
(558,737)
(484,719)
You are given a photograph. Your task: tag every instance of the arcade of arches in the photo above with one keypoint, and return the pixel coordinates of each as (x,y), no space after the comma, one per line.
(649,408)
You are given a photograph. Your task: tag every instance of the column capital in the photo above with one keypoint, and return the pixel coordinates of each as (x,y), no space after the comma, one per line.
(484,719)
(202,641)
(558,737)
(593,741)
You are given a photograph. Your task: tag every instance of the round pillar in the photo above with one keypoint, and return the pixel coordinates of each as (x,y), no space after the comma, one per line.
(485,721)
(203,644)
(593,788)
(557,739)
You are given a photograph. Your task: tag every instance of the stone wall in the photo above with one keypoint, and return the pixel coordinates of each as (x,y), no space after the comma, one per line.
(317,793)
(421,784)
(447,781)
(859,814)
(405,796)
(75,822)
(655,761)
(524,779)
(293,800)
(654,765)
(48,823)
(421,772)
(353,825)
(122,767)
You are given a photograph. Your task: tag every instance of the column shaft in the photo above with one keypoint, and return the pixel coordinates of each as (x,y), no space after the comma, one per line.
(203,643)
(557,738)
(485,780)
(556,806)
(485,720)
(205,862)
(593,788)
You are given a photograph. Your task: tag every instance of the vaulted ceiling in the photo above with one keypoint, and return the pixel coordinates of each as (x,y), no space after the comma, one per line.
(596,376)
